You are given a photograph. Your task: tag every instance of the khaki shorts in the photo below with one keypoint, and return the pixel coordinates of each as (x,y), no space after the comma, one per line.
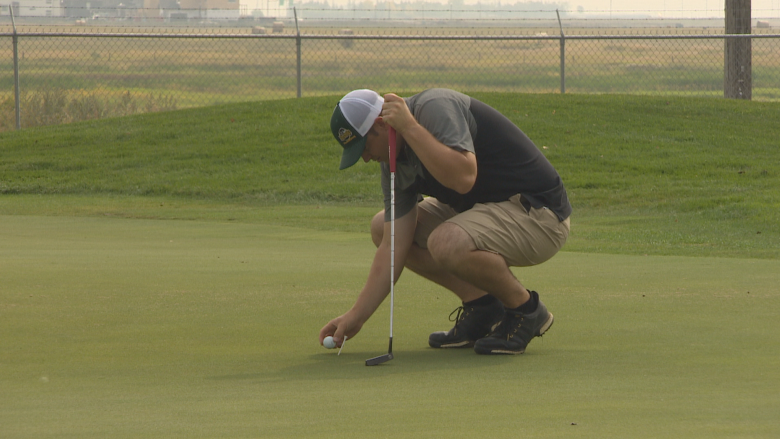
(523,237)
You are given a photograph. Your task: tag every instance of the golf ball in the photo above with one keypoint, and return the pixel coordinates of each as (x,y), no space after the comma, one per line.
(329,342)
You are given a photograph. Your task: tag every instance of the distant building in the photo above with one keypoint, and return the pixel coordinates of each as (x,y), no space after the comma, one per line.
(210,9)
(149,9)
(32,8)
(101,9)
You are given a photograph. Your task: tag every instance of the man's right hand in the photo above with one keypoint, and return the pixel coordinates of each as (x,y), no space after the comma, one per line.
(378,283)
(347,324)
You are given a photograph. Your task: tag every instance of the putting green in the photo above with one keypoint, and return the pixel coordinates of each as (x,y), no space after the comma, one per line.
(119,328)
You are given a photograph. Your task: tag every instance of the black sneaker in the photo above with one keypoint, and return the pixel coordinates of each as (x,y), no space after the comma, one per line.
(471,324)
(516,330)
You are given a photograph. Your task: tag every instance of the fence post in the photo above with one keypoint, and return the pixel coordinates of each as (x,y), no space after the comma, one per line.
(738,74)
(563,54)
(16,71)
(298,47)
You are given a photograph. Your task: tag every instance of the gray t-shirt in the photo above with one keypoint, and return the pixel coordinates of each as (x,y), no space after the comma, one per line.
(445,114)
(508,163)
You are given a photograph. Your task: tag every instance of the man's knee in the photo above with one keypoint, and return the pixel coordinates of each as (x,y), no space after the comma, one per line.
(447,243)
(378,227)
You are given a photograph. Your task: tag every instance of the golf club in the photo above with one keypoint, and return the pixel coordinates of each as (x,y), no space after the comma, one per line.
(389,355)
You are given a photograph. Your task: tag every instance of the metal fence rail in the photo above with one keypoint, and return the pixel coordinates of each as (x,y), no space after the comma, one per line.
(69,76)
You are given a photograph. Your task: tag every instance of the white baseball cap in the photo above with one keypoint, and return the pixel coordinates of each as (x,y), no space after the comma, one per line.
(353,116)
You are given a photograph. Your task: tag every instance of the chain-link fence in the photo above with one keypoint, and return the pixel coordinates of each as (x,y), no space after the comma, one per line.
(77,75)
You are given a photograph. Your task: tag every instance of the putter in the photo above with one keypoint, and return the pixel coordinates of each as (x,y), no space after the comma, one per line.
(389,355)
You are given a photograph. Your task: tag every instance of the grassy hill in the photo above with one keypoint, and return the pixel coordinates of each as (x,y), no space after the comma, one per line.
(647,175)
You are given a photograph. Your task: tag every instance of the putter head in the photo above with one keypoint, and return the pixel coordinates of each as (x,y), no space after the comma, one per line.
(379,360)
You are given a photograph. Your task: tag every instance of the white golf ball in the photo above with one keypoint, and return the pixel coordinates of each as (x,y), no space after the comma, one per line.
(329,342)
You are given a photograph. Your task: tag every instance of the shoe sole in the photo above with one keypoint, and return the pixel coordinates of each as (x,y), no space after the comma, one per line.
(541,332)
(546,326)
(462,344)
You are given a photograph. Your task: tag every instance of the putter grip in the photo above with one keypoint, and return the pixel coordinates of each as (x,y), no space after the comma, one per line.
(391,140)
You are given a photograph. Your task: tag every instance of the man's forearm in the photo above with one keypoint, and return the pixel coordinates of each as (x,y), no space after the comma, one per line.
(377,285)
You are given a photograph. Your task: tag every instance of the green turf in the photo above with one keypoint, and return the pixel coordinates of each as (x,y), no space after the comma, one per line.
(126,328)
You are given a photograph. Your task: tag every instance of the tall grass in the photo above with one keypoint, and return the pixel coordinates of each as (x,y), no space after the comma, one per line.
(50,106)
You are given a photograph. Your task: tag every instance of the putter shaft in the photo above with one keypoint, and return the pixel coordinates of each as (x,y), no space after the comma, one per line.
(389,356)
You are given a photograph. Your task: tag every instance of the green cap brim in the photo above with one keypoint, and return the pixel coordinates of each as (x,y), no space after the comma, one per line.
(348,137)
(352,153)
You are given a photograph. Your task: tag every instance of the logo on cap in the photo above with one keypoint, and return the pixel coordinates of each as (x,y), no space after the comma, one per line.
(345,136)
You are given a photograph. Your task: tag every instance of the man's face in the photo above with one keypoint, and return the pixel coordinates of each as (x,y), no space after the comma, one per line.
(377,144)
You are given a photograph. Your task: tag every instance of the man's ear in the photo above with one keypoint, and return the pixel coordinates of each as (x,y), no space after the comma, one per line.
(380,122)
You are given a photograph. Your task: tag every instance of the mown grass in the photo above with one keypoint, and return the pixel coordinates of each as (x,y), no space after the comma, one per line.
(128,328)
(655,175)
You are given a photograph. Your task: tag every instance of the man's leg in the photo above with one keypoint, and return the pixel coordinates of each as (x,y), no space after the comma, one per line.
(479,313)
(478,247)
(454,251)
(419,260)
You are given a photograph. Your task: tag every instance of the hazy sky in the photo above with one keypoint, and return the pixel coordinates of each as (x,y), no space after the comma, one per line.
(660,8)
(689,8)
(697,7)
